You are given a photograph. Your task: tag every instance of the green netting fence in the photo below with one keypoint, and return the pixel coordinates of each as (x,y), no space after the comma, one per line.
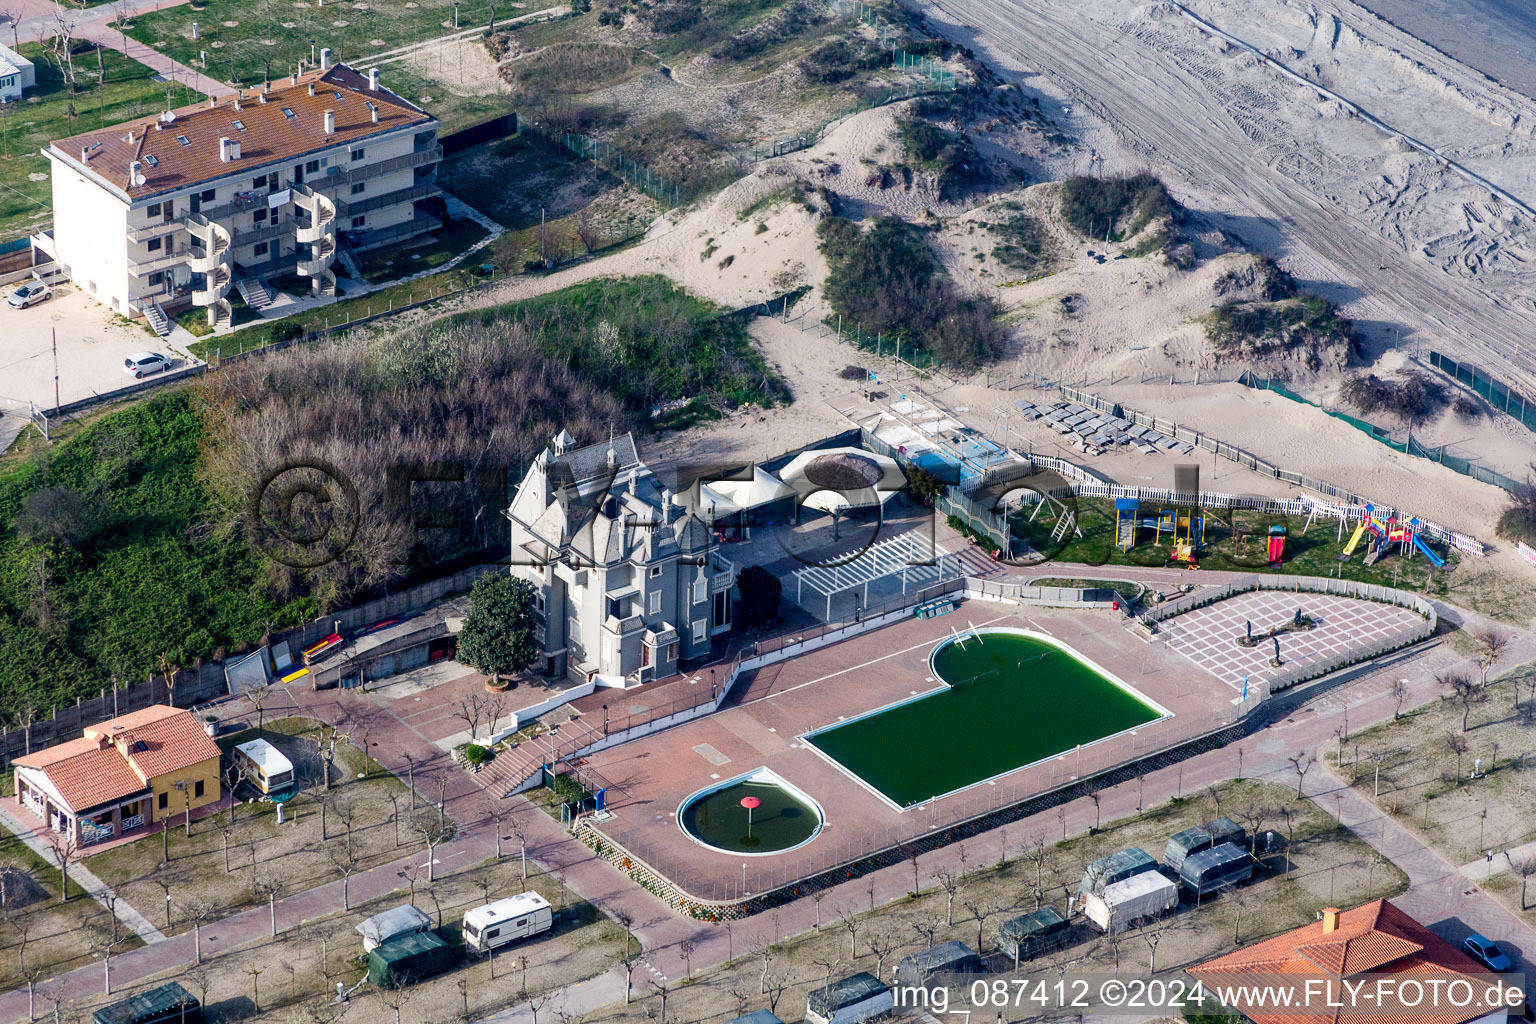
(889,34)
(1497,394)
(1466,467)
(614,159)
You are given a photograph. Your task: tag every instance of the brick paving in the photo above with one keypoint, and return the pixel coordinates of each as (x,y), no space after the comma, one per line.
(1439,895)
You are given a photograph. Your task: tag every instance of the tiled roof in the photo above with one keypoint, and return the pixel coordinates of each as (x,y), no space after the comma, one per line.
(290,124)
(1375,938)
(159,740)
(85,773)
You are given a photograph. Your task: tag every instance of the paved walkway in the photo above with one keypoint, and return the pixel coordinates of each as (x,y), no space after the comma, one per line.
(98,32)
(1440,896)
(83,877)
(1487,867)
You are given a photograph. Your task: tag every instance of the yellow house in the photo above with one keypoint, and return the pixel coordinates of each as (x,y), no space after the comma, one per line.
(122,774)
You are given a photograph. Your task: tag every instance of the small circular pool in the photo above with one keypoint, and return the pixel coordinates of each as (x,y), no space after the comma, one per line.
(750,816)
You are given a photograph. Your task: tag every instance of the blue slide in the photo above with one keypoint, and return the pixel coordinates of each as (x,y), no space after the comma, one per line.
(1434,559)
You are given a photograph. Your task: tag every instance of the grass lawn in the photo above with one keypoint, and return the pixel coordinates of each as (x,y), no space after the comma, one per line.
(1322,865)
(296,852)
(59,934)
(397,261)
(1127,590)
(304,963)
(242,38)
(1421,786)
(115,90)
(1314,552)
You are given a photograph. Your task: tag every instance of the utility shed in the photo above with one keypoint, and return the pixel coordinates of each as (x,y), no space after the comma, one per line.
(160,1005)
(409,959)
(1115,868)
(392,924)
(945,958)
(756,1017)
(1201,837)
(857,997)
(1032,934)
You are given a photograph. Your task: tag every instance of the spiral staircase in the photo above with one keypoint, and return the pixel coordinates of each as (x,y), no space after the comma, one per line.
(210,257)
(320,237)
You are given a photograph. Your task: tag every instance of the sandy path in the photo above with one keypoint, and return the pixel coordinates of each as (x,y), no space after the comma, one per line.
(1237,145)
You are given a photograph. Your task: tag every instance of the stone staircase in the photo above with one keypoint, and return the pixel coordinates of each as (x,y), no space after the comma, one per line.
(256,293)
(158,321)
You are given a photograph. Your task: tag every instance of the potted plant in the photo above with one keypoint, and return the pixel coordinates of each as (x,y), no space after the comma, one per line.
(211,725)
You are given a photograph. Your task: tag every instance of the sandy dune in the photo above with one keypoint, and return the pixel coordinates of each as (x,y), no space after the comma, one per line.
(1410,251)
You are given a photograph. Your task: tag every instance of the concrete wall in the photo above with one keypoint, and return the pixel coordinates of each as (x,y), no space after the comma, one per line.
(89,232)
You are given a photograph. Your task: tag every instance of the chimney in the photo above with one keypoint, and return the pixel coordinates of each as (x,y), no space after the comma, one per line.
(85,154)
(293,79)
(1330,919)
(225,154)
(212,102)
(330,122)
(325,59)
(311,88)
(130,136)
(373,79)
(237,100)
(374,110)
(261,97)
(135,169)
(266,87)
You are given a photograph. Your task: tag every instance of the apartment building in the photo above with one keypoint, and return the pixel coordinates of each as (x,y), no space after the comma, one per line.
(628,581)
(287,178)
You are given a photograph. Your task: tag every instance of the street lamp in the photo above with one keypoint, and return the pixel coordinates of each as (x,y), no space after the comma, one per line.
(605,719)
(455,13)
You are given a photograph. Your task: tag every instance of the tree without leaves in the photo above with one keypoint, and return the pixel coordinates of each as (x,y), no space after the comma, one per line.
(269,886)
(65,852)
(1399,697)
(980,908)
(951,883)
(1491,644)
(434,831)
(1301,764)
(881,944)
(774,987)
(628,958)
(685,950)
(1524,865)
(1455,743)
(925,926)
(1459,690)
(850,922)
(344,859)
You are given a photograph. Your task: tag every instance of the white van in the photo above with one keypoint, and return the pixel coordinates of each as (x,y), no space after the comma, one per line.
(505,921)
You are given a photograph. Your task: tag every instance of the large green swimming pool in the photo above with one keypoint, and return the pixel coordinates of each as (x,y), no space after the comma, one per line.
(1011,700)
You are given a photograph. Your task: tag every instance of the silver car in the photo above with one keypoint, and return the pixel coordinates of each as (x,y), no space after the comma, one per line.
(29,294)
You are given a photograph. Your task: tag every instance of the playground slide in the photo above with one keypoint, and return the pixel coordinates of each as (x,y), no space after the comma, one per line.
(1276,549)
(1434,559)
(1354,539)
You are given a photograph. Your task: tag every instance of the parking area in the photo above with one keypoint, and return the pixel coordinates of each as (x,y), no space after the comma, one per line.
(92,344)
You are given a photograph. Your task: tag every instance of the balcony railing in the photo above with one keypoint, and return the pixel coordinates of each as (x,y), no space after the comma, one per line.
(138,268)
(373,170)
(367,204)
(155,230)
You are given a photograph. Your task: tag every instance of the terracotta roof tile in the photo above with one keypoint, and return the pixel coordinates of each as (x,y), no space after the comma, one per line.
(90,777)
(270,134)
(1376,938)
(159,740)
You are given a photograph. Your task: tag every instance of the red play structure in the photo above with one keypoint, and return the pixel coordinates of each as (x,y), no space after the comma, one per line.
(1276,544)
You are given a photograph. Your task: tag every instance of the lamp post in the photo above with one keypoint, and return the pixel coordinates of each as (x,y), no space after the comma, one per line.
(605,719)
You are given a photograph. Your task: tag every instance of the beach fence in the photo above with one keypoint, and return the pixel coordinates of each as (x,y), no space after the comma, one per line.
(1496,393)
(1439,453)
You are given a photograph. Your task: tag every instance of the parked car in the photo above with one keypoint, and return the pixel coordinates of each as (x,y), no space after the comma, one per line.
(30,294)
(143,364)
(1487,952)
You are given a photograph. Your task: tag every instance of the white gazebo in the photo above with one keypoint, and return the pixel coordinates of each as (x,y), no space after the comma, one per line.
(913,556)
(842,480)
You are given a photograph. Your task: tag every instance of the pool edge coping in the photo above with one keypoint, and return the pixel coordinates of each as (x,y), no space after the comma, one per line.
(806,737)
